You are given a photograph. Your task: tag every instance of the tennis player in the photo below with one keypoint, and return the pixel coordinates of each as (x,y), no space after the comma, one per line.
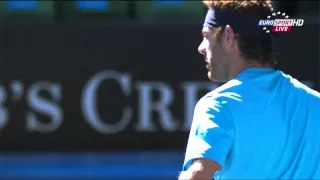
(262,123)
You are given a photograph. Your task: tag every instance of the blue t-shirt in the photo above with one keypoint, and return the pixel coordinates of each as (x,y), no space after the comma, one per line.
(263,124)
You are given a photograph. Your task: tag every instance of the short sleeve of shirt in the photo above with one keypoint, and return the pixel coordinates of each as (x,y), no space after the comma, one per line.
(210,132)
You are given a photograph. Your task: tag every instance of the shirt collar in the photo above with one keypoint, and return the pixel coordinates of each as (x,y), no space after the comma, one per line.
(253,72)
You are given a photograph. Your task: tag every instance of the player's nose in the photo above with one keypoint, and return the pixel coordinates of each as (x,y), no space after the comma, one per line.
(202,48)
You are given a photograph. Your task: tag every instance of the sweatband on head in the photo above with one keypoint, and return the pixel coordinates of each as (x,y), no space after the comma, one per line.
(240,23)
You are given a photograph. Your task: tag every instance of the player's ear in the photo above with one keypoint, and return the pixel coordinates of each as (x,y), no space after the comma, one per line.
(229,37)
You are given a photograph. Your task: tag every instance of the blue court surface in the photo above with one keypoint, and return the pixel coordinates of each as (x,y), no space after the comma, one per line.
(95,166)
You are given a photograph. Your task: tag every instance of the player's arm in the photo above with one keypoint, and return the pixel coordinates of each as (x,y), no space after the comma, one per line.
(200,169)
(209,141)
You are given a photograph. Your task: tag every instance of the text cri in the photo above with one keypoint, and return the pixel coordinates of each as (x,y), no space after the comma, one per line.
(146,103)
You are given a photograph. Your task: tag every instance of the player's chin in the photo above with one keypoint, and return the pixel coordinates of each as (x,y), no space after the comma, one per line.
(214,79)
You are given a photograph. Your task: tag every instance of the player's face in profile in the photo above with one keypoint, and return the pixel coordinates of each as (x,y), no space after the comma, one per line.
(215,56)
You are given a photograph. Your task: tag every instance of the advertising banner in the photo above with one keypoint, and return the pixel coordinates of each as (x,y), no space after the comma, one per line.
(113,86)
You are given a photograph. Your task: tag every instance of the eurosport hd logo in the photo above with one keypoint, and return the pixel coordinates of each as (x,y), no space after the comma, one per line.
(279,22)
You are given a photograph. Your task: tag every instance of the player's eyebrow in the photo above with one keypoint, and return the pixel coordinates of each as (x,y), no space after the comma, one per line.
(206,31)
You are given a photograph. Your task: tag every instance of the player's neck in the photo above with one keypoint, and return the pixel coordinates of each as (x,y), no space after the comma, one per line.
(254,64)
(247,65)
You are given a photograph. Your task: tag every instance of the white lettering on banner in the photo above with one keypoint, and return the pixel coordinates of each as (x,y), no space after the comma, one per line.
(44,106)
(89,98)
(39,105)
(146,106)
(17,89)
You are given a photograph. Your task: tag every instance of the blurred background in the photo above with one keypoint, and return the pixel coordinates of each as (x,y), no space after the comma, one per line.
(106,89)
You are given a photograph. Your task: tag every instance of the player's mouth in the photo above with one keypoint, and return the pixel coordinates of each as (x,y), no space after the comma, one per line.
(207,64)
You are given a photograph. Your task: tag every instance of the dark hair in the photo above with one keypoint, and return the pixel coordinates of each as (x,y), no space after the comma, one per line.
(251,48)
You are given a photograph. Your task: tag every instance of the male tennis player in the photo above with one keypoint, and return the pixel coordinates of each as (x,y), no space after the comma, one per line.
(262,123)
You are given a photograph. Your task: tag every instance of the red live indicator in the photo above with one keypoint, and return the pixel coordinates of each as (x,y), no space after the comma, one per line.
(281,28)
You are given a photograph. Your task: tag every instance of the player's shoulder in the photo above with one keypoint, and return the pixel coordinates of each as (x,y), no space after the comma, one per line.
(302,87)
(218,103)
(231,89)
(223,94)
